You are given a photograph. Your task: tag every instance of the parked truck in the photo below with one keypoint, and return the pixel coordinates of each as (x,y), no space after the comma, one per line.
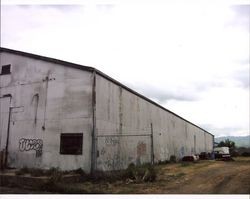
(222,153)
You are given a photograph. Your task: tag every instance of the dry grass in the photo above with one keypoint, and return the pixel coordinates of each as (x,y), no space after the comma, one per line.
(203,177)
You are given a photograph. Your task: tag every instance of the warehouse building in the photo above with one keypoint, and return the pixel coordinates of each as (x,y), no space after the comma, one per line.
(59,114)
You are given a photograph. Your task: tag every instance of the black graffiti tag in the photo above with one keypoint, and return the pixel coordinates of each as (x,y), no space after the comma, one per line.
(31,144)
(112,141)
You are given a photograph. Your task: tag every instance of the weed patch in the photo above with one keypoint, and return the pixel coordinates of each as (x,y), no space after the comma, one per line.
(141,173)
(163,162)
(36,172)
(186,164)
(52,172)
(172,159)
(178,175)
(22,171)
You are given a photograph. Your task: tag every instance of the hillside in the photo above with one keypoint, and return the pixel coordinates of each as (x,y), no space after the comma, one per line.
(240,141)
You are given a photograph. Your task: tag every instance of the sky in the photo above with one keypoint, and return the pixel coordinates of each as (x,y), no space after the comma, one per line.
(190,57)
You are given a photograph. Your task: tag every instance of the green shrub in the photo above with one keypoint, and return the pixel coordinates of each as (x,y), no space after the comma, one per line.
(80,171)
(246,154)
(108,176)
(185,164)
(56,176)
(22,171)
(57,187)
(141,173)
(129,172)
(172,159)
(51,171)
(36,172)
(163,162)
(98,175)
(178,175)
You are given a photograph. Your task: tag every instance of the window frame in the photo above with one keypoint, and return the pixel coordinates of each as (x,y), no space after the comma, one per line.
(67,151)
(9,70)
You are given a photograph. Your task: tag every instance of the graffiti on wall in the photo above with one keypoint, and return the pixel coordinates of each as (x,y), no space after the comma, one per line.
(31,144)
(103,151)
(109,155)
(113,162)
(112,141)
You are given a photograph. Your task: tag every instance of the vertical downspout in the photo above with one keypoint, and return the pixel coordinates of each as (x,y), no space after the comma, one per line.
(152,145)
(213,149)
(205,142)
(46,80)
(213,142)
(194,144)
(8,135)
(93,149)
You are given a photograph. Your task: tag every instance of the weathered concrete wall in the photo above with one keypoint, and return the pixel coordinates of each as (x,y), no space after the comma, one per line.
(47,99)
(123,122)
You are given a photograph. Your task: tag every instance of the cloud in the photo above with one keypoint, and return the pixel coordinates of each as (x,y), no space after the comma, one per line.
(241,17)
(61,7)
(163,94)
(181,56)
(242,77)
(242,10)
(178,89)
(225,131)
(244,62)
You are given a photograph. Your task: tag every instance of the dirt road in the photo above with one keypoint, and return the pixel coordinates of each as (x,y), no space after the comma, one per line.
(212,178)
(204,177)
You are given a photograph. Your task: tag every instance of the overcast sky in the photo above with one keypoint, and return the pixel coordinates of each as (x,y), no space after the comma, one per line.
(191,58)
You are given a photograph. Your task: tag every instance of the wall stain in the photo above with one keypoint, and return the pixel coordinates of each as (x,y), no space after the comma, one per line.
(141,149)
(35,100)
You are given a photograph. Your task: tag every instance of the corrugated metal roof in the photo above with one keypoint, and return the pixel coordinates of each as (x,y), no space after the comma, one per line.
(92,69)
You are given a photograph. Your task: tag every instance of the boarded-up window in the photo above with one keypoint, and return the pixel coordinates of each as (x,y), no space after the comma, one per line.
(71,143)
(5,70)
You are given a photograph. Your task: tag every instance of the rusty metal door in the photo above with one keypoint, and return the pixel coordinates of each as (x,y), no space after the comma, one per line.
(4,127)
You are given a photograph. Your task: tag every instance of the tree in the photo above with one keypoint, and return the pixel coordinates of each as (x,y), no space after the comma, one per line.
(228,143)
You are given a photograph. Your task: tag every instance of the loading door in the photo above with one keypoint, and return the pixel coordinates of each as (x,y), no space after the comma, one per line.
(4,123)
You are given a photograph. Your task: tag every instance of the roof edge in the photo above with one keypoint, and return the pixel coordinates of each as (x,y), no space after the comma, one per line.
(49,59)
(92,69)
(147,99)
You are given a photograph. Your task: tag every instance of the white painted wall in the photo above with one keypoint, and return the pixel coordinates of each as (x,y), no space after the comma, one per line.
(122,113)
(64,106)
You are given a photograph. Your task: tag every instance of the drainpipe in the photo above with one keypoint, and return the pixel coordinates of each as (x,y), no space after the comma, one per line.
(46,80)
(8,131)
(152,145)
(213,149)
(93,148)
(8,135)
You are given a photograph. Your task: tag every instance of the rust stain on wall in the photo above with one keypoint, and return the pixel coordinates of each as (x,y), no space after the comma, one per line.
(141,149)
